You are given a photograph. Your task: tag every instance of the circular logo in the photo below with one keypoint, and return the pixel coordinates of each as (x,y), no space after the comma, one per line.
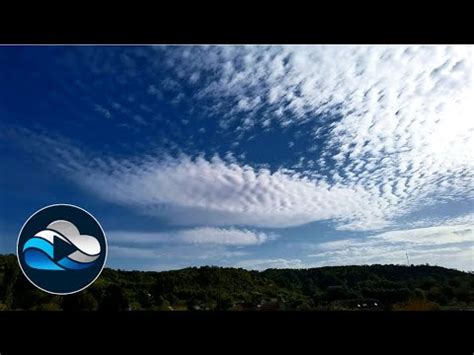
(61,249)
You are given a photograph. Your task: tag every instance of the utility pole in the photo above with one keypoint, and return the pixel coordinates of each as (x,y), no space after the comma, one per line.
(408,260)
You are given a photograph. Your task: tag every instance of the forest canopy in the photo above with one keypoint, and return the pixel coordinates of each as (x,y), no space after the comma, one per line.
(365,287)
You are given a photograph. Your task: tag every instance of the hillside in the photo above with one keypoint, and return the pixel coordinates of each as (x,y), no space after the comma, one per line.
(374,287)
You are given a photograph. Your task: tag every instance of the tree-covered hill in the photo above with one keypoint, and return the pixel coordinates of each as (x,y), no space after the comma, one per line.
(374,287)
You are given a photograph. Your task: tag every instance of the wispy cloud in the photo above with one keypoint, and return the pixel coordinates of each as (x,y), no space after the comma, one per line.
(462,219)
(184,247)
(201,235)
(224,192)
(451,246)
(170,253)
(262,264)
(197,191)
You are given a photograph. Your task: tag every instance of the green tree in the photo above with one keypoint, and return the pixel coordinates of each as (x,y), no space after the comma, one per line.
(10,276)
(114,299)
(82,301)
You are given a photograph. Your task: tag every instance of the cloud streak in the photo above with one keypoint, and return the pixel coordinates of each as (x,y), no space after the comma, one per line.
(451,246)
(197,191)
(196,236)
(262,264)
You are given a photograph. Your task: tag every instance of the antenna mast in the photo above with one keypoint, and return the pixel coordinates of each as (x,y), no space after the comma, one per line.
(408,260)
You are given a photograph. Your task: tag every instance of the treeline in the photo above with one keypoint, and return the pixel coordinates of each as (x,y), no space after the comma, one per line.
(374,287)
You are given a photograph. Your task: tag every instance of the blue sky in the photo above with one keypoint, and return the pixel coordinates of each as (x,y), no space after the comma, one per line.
(246,156)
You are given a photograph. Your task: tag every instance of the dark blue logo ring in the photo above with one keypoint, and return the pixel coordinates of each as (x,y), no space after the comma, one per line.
(62,249)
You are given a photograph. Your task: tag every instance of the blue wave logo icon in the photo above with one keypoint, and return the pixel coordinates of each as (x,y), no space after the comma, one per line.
(61,247)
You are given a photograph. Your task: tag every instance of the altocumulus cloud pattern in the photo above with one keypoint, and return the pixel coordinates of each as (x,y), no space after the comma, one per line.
(252,156)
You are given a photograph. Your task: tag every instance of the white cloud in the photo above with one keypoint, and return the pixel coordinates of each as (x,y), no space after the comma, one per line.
(102,110)
(175,254)
(445,221)
(315,79)
(450,246)
(262,264)
(403,141)
(202,235)
(196,191)
(406,130)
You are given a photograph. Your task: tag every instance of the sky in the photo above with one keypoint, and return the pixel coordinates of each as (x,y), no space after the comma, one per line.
(245,156)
